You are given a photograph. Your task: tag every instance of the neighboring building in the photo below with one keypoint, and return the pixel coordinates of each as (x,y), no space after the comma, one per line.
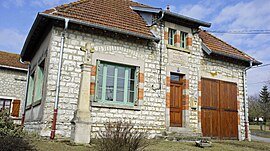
(139,63)
(12,84)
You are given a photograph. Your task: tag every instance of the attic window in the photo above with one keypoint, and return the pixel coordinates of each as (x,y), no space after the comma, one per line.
(171,36)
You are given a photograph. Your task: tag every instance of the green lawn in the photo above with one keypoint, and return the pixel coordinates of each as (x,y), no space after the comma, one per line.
(255,130)
(160,145)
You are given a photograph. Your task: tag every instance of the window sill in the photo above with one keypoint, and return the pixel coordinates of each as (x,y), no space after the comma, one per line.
(115,106)
(178,48)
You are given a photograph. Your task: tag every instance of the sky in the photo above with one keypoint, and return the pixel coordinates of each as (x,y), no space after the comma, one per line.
(17,17)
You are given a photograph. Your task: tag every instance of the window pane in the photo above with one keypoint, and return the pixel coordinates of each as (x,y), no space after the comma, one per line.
(131,97)
(121,72)
(100,81)
(131,85)
(131,73)
(120,95)
(7,104)
(1,104)
(109,88)
(175,77)
(120,83)
(109,95)
(110,70)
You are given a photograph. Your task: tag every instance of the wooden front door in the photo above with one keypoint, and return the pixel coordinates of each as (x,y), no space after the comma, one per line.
(219,109)
(176,88)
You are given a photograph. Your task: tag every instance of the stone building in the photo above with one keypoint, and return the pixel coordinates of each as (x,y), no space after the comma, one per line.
(12,84)
(108,60)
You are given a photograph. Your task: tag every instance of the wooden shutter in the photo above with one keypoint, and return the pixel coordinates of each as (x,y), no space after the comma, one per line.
(15,108)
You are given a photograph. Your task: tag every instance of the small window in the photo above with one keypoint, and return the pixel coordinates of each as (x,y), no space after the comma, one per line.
(116,83)
(183,37)
(5,104)
(171,35)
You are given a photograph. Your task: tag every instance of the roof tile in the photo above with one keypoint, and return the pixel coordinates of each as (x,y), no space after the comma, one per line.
(111,13)
(218,45)
(11,60)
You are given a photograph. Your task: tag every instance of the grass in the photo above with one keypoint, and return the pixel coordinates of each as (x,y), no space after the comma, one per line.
(159,145)
(255,130)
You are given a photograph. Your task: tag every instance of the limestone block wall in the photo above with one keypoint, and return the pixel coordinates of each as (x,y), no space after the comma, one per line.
(12,85)
(148,114)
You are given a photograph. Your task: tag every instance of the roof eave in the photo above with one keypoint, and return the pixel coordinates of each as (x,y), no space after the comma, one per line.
(209,52)
(29,36)
(196,21)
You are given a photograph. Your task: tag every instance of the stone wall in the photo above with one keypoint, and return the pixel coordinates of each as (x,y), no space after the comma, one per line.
(12,85)
(148,114)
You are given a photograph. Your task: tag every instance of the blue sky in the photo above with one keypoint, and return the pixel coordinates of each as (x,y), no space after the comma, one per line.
(17,17)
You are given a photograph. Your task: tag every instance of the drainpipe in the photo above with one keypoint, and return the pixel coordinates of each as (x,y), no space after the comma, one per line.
(58,80)
(26,90)
(245,100)
(160,50)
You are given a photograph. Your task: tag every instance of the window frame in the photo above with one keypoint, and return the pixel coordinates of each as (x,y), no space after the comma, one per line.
(171,36)
(126,80)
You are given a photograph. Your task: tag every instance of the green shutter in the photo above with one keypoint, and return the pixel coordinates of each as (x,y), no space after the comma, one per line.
(97,80)
(30,91)
(39,84)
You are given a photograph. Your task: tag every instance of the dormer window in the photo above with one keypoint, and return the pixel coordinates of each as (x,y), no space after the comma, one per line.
(171,36)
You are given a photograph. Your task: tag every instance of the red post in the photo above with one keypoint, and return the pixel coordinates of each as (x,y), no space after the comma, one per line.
(246,128)
(54,124)
(22,124)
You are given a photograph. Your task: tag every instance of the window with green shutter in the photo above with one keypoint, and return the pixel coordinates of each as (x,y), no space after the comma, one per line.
(116,83)
(39,83)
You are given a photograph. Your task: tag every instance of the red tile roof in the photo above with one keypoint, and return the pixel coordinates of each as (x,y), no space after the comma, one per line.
(110,13)
(11,60)
(218,45)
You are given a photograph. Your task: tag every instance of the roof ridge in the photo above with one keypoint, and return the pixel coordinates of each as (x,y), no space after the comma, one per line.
(228,44)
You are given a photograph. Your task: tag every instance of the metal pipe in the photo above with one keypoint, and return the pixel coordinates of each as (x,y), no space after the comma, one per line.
(26,90)
(160,50)
(58,80)
(245,100)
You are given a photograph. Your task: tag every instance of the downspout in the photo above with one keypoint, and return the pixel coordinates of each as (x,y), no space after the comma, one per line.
(160,49)
(26,91)
(58,79)
(245,100)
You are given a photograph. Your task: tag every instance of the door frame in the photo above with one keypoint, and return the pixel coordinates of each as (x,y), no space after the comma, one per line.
(179,82)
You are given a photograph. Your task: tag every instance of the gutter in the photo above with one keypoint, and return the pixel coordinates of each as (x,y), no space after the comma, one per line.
(58,80)
(26,91)
(16,68)
(245,100)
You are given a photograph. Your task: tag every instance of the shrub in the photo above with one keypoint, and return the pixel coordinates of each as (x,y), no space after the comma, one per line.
(11,135)
(7,127)
(120,136)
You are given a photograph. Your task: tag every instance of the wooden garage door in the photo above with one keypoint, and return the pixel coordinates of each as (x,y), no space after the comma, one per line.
(219,109)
